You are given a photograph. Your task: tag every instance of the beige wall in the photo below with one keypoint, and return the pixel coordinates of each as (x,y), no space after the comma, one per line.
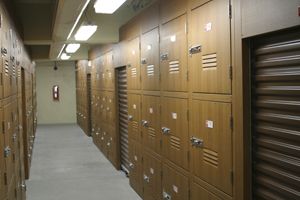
(49,111)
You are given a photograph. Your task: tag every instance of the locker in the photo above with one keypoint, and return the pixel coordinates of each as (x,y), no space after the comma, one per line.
(152,177)
(198,192)
(174,127)
(133,66)
(110,108)
(173,55)
(211,143)
(150,60)
(151,123)
(109,71)
(209,48)
(2,160)
(135,173)
(134,117)
(175,184)
(102,108)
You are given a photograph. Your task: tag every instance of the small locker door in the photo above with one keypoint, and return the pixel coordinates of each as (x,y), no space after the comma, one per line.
(134,117)
(110,75)
(133,66)
(150,60)
(173,55)
(151,123)
(102,108)
(210,48)
(2,160)
(151,177)
(174,127)
(100,76)
(198,192)
(5,55)
(135,174)
(211,143)
(111,108)
(175,184)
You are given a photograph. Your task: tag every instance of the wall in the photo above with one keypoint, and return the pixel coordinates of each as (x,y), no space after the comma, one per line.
(49,111)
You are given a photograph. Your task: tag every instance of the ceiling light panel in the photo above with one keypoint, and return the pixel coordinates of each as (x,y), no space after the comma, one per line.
(72,48)
(65,56)
(107,6)
(85,32)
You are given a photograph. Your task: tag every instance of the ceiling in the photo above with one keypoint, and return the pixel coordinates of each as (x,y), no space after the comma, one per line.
(46,24)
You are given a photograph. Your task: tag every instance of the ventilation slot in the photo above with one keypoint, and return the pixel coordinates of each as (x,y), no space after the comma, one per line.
(209,60)
(151,132)
(175,143)
(174,67)
(210,157)
(150,70)
(6,63)
(133,72)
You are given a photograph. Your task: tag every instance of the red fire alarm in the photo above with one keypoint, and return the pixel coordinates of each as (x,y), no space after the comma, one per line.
(55,93)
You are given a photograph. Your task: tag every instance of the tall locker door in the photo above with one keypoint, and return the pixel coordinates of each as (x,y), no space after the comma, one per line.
(151,123)
(211,141)
(135,174)
(133,67)
(150,60)
(173,55)
(175,184)
(210,48)
(275,116)
(198,192)
(2,159)
(134,117)
(13,60)
(174,127)
(100,73)
(110,72)
(123,118)
(152,177)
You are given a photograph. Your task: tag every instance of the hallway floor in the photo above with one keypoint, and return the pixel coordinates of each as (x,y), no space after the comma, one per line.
(67,165)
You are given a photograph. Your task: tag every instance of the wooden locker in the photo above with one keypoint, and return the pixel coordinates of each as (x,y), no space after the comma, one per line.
(133,66)
(134,117)
(210,47)
(101,75)
(211,143)
(151,123)
(150,60)
(174,127)
(175,184)
(171,9)
(111,108)
(152,170)
(198,192)
(173,55)
(2,160)
(135,174)
(110,72)
(103,106)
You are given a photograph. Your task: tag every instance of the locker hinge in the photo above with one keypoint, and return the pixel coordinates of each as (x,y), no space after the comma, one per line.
(1,76)
(231,177)
(230,72)
(230,11)
(3,129)
(188,115)
(231,123)
(189,193)
(142,159)
(161,174)
(160,109)
(5,178)
(187,75)
(160,143)
(188,156)
(159,77)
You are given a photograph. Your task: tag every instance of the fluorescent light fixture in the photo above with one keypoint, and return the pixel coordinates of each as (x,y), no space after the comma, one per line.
(65,56)
(72,48)
(85,31)
(61,50)
(107,6)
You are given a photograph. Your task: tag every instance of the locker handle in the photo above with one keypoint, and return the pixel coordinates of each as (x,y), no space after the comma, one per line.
(195,49)
(166,196)
(131,166)
(14,137)
(23,186)
(7,151)
(196,142)
(145,123)
(130,117)
(146,178)
(165,130)
(164,56)
(144,61)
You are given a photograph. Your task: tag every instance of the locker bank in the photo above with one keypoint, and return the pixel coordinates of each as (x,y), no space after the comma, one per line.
(150,99)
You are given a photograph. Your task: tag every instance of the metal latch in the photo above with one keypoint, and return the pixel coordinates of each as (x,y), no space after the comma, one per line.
(196,142)
(131,165)
(166,196)
(165,130)
(195,49)
(145,123)
(7,151)
(130,117)
(164,56)
(23,186)
(146,178)
(144,61)
(14,137)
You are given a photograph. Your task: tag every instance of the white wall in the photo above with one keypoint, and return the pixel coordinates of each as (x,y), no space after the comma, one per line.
(49,111)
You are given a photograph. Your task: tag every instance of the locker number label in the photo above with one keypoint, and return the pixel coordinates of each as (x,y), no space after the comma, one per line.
(174,115)
(151,110)
(135,158)
(151,170)
(208,27)
(134,106)
(175,188)
(209,124)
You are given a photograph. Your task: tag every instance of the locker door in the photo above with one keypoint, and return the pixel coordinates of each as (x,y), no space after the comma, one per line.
(135,174)
(210,48)
(151,123)
(175,185)
(102,110)
(110,72)
(134,117)
(198,192)
(174,126)
(133,67)
(152,177)
(111,108)
(5,55)
(150,60)
(211,143)
(2,159)
(11,195)
(173,55)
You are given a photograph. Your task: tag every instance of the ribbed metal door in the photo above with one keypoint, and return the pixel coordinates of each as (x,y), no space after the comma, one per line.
(276,116)
(123,118)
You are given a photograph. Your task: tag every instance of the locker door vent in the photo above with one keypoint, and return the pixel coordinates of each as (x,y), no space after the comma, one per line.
(150,70)
(211,157)
(174,67)
(209,60)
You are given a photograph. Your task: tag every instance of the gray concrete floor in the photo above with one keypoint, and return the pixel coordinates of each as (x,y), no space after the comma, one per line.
(67,165)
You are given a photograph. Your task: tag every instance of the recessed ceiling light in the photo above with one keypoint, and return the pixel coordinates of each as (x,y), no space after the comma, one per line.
(85,32)
(107,6)
(65,56)
(72,48)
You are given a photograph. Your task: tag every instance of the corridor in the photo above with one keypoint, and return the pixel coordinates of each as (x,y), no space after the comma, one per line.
(66,165)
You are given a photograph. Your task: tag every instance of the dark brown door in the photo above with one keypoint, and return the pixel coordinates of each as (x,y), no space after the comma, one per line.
(276,116)
(135,174)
